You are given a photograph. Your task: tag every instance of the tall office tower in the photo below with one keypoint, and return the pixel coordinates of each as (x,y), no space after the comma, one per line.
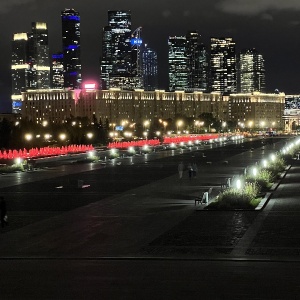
(251,71)
(178,68)
(119,56)
(223,65)
(19,68)
(71,48)
(38,52)
(149,66)
(197,63)
(106,62)
(57,69)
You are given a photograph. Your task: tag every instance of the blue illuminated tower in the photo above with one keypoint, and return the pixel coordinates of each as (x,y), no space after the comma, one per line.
(71,48)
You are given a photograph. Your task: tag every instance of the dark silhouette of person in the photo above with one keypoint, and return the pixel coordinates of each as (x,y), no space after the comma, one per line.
(3,212)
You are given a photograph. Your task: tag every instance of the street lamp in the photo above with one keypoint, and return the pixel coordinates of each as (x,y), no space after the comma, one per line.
(89,135)
(28,137)
(250,123)
(146,124)
(179,124)
(62,136)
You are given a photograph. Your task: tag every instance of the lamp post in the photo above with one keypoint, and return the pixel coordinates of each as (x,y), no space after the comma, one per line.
(179,124)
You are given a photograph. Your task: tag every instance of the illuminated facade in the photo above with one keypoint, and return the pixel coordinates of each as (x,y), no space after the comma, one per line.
(116,57)
(57,71)
(52,105)
(264,111)
(19,68)
(260,110)
(38,57)
(149,63)
(71,48)
(292,112)
(197,63)
(251,71)
(177,60)
(223,77)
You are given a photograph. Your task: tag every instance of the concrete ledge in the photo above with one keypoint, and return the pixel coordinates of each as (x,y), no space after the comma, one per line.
(263,202)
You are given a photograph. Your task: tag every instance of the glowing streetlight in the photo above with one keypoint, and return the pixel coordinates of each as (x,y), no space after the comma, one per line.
(62,136)
(28,137)
(179,124)
(254,171)
(45,123)
(264,163)
(89,135)
(47,136)
(146,123)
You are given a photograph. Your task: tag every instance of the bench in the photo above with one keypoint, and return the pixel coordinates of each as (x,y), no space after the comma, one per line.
(204,198)
(226,184)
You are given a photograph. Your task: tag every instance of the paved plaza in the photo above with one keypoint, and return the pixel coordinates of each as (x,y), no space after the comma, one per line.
(157,220)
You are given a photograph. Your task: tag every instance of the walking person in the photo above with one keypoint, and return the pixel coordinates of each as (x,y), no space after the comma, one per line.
(190,169)
(180,169)
(3,212)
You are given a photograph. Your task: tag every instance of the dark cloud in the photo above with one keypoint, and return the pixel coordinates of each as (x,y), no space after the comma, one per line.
(254,7)
(8,5)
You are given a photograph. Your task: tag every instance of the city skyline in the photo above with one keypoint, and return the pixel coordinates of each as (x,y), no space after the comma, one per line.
(272,31)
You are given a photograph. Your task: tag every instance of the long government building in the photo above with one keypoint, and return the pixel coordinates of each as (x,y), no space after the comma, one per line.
(116,105)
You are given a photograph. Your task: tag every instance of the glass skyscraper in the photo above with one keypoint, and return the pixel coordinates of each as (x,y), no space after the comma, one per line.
(57,70)
(119,60)
(71,48)
(38,52)
(178,67)
(188,63)
(251,71)
(149,63)
(19,68)
(197,63)
(223,66)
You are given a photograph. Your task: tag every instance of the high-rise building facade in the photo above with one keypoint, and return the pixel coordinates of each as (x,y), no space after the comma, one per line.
(116,59)
(38,52)
(106,61)
(197,63)
(71,48)
(223,76)
(57,75)
(149,63)
(177,61)
(188,63)
(251,71)
(19,68)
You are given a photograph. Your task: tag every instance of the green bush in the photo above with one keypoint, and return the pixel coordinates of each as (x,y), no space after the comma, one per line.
(264,179)
(277,166)
(12,169)
(232,198)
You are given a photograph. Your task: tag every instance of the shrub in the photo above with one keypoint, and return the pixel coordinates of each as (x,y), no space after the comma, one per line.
(277,166)
(11,169)
(237,199)
(264,179)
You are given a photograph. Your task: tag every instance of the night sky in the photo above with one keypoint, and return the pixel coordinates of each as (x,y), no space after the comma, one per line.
(270,26)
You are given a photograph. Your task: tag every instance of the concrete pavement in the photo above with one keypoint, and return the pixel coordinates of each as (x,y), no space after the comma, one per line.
(160,219)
